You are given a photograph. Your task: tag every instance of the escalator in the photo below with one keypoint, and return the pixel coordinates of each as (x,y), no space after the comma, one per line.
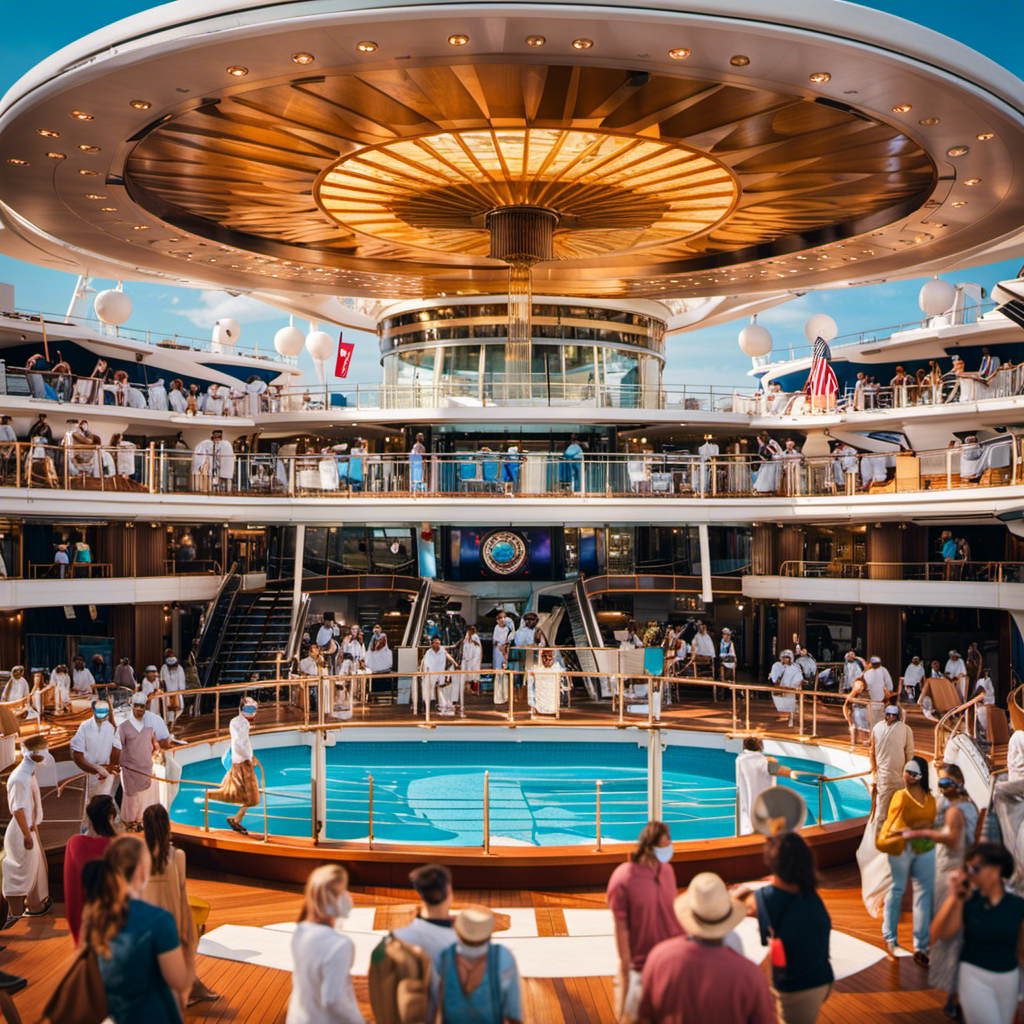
(256,629)
(585,634)
(213,625)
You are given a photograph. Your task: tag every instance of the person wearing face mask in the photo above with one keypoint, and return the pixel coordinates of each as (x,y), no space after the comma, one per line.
(60,681)
(322,991)
(96,750)
(172,682)
(239,786)
(142,735)
(379,660)
(102,821)
(136,944)
(25,884)
(478,980)
(641,896)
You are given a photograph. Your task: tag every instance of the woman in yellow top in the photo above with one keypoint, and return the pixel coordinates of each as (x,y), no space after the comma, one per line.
(913,807)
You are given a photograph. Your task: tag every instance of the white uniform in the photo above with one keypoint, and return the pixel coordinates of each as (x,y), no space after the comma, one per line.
(852,671)
(95,743)
(17,688)
(878,682)
(82,682)
(61,682)
(792,678)
(501,635)
(955,668)
(984,685)
(472,658)
(753,776)
(172,680)
(214,463)
(434,663)
(353,651)
(24,871)
(913,676)
(177,400)
(703,645)
(379,660)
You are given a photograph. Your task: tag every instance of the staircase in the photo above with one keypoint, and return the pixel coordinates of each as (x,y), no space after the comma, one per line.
(256,630)
(585,634)
(213,626)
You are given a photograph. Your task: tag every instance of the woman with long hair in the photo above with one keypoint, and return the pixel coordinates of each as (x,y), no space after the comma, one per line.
(102,815)
(136,944)
(322,991)
(910,858)
(166,888)
(789,910)
(641,896)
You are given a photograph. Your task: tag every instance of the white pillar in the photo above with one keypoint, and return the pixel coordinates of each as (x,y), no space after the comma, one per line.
(318,771)
(300,546)
(654,774)
(705,562)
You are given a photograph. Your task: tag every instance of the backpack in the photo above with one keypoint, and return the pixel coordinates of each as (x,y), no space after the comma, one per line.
(399,980)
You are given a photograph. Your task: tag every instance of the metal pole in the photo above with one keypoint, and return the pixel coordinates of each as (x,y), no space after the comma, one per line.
(598,793)
(512,697)
(312,807)
(801,697)
(206,810)
(819,801)
(487,812)
(734,709)
(737,814)
(654,774)
(622,697)
(748,709)
(370,812)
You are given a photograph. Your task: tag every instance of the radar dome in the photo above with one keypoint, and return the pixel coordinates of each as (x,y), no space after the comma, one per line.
(113,307)
(289,341)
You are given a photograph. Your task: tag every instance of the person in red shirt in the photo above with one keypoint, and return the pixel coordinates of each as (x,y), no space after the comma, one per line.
(102,815)
(695,977)
(640,896)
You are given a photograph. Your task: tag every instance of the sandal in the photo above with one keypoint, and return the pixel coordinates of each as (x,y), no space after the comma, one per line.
(238,826)
(43,910)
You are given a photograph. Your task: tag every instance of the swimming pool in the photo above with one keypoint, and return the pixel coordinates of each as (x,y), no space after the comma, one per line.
(541,793)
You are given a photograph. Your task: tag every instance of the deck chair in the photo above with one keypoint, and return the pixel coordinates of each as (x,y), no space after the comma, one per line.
(945,696)
(1013,706)
(997,732)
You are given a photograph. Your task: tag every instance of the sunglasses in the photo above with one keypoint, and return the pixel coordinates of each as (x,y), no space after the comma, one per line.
(947,783)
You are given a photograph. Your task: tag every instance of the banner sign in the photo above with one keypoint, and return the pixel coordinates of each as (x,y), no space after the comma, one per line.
(344,357)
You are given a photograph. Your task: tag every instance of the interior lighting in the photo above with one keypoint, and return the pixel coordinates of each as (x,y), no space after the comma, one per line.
(902,108)
(94,195)
(86,148)
(56,156)
(366,46)
(985,136)
(140,227)
(927,122)
(109,209)
(237,71)
(679,53)
(143,104)
(18,161)
(302,58)
(583,44)
(958,151)
(46,133)
(535,40)
(87,173)
(739,61)
(81,115)
(972,181)
(959,203)
(458,40)
(821,77)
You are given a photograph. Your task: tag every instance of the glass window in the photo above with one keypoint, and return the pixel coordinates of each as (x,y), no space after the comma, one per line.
(494,359)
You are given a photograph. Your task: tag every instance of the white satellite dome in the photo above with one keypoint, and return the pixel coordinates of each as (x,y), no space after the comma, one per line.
(821,325)
(936,296)
(755,340)
(112,307)
(320,345)
(289,341)
(226,331)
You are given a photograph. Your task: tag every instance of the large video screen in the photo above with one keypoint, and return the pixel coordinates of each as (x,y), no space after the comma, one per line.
(501,553)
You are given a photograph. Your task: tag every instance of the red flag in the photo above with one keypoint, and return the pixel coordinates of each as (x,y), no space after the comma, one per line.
(344,357)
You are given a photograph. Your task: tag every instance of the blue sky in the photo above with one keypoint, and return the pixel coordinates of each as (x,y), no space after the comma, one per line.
(45,26)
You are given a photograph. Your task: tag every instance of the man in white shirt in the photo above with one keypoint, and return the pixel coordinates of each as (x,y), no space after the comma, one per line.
(172,682)
(985,686)
(956,673)
(96,749)
(239,786)
(853,669)
(913,676)
(83,683)
(754,773)
(435,661)
(706,452)
(328,630)
(24,865)
(879,686)
(785,673)
(892,746)
(353,650)
(213,464)
(60,680)
(501,639)
(431,929)
(527,635)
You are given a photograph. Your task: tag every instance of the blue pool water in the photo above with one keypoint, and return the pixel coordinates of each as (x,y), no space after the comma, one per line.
(541,794)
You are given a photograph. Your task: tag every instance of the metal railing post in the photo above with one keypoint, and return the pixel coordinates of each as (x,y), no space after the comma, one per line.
(370,812)
(748,709)
(732,689)
(487,812)
(512,696)
(597,786)
(801,698)
(206,810)
(312,804)
(263,787)
(814,709)
(737,814)
(820,785)
(622,697)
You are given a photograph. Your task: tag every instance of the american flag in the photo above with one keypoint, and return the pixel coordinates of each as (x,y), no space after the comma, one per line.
(822,380)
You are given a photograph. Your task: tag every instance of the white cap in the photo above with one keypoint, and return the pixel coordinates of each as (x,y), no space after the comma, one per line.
(151,668)
(139,698)
(785,654)
(913,768)
(875,659)
(892,709)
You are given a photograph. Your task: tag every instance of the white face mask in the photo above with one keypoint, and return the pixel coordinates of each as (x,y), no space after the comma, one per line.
(664,853)
(342,906)
(472,952)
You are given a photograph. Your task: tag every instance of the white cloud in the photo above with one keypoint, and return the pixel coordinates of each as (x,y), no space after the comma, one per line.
(215,305)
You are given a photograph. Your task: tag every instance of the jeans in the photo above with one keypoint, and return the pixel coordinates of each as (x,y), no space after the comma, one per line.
(920,867)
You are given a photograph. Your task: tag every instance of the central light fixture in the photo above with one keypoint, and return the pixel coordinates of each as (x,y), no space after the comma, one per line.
(821,77)
(237,71)
(582,44)
(140,104)
(535,40)
(957,151)
(902,108)
(739,61)
(81,115)
(366,46)
(458,40)
(679,53)
(302,58)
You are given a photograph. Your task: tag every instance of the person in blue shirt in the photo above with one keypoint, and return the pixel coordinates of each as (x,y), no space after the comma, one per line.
(136,944)
(573,456)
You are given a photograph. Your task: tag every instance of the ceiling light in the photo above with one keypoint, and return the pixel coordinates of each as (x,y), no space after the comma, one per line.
(302,58)
(140,104)
(957,151)
(47,133)
(18,161)
(927,122)
(81,115)
(140,227)
(94,195)
(985,136)
(821,77)
(739,61)
(458,40)
(960,202)
(237,70)
(88,173)
(535,40)
(366,46)
(109,209)
(902,108)
(972,181)
(86,148)
(56,156)
(679,53)
(582,44)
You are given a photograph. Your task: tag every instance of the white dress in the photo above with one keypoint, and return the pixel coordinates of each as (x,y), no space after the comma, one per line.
(472,657)
(791,677)
(24,871)
(543,689)
(752,778)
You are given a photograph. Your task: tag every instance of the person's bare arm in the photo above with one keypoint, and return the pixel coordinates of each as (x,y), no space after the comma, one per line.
(87,766)
(622,945)
(950,918)
(26,832)
(173,969)
(949,835)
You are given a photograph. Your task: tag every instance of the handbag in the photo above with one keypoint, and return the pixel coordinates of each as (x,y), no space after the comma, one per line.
(80,997)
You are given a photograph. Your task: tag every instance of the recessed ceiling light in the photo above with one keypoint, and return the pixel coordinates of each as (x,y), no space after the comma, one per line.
(140,227)
(535,40)
(821,77)
(958,151)
(87,173)
(237,70)
(972,181)
(302,58)
(81,115)
(458,40)
(679,53)
(902,108)
(142,104)
(94,195)
(985,136)
(47,133)
(109,209)
(582,44)
(18,161)
(86,148)
(56,156)
(739,61)
(927,122)
(941,225)
(960,202)
(366,46)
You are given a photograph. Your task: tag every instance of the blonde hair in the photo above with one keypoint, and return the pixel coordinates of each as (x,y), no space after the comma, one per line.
(320,888)
(106,901)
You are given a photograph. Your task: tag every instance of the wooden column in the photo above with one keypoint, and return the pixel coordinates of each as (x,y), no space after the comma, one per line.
(791,544)
(885,547)
(884,627)
(150,550)
(792,619)
(149,635)
(762,551)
